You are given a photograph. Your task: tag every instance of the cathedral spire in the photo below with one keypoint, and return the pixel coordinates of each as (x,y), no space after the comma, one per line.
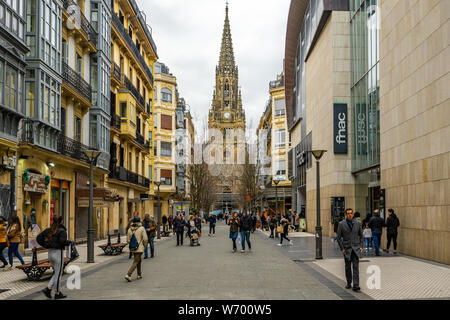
(226,51)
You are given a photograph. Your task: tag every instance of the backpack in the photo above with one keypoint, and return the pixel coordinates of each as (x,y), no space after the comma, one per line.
(40,239)
(134,245)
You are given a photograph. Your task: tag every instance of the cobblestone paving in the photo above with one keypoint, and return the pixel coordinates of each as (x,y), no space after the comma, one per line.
(210,271)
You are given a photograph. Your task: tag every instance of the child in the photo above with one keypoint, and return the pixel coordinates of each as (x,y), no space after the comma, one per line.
(368,237)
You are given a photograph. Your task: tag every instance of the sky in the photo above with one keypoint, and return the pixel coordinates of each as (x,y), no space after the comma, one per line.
(188,36)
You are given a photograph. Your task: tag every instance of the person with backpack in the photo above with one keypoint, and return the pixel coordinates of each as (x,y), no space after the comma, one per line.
(137,240)
(55,240)
(284,224)
(15,237)
(376,223)
(3,241)
(150,227)
(392,224)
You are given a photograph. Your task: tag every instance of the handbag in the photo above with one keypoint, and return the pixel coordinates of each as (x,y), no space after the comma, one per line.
(74,255)
(280,229)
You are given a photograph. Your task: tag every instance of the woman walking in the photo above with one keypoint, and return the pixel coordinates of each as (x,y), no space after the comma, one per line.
(56,241)
(3,242)
(234,229)
(15,238)
(285,223)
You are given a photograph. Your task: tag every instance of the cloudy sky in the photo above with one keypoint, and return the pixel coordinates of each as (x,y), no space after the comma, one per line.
(188,36)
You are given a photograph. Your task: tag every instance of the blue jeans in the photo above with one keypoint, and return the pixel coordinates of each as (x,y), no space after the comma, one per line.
(377,241)
(245,236)
(152,247)
(368,243)
(14,249)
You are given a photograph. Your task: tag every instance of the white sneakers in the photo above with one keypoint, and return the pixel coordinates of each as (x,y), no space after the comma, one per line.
(128,278)
(291,243)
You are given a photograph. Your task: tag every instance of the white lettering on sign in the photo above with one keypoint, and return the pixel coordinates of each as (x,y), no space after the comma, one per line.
(362,128)
(341,138)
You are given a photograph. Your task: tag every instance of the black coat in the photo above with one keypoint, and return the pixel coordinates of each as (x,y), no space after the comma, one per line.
(246,223)
(178,225)
(376,223)
(58,241)
(392,223)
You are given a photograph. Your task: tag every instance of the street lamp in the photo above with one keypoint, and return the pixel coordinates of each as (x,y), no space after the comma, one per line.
(93,156)
(318,154)
(158,231)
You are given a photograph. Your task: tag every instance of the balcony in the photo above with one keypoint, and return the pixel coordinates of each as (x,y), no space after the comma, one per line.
(116,73)
(115,122)
(130,87)
(140,139)
(80,86)
(122,174)
(277,83)
(73,10)
(72,148)
(128,128)
(131,45)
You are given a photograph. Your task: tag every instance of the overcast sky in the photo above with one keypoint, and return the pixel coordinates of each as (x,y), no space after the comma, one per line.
(188,36)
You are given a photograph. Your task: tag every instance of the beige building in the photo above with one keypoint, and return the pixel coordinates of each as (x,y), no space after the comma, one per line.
(368,82)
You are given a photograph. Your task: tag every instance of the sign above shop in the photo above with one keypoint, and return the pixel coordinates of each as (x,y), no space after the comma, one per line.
(36,183)
(340,128)
(84,203)
(9,162)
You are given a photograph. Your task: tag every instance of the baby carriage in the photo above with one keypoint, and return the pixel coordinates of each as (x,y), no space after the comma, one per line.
(194,236)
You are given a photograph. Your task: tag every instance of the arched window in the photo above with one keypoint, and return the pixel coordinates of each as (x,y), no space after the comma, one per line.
(227,90)
(166,95)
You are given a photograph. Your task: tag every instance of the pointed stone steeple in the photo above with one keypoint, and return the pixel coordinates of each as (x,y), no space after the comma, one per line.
(226,51)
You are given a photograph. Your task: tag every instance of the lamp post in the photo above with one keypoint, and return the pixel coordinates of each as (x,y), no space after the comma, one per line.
(318,155)
(158,231)
(93,156)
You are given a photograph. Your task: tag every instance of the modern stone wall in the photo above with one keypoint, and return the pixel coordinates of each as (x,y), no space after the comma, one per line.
(415,122)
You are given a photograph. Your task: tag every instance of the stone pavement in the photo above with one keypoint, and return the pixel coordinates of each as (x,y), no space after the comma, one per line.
(210,271)
(15,281)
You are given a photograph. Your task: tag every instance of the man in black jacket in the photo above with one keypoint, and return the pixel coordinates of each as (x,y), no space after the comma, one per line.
(351,241)
(246,226)
(376,223)
(178,227)
(392,224)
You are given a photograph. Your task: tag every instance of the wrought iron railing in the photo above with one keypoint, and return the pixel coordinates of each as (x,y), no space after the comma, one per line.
(77,82)
(72,148)
(118,24)
(140,138)
(122,174)
(117,72)
(27,131)
(84,23)
(147,28)
(277,83)
(115,121)
(129,85)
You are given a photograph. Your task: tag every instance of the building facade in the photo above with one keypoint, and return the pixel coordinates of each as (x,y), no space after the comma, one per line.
(133,55)
(355,88)
(274,146)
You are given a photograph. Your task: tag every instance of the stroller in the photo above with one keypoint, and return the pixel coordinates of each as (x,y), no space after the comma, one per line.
(194,237)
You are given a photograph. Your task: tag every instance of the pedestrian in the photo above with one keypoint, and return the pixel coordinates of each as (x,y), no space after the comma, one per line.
(376,223)
(126,231)
(212,224)
(171,222)
(226,219)
(254,221)
(272,224)
(137,239)
(263,221)
(150,227)
(164,222)
(15,237)
(56,241)
(367,237)
(392,224)
(296,222)
(234,229)
(245,226)
(198,224)
(3,241)
(285,224)
(178,227)
(351,242)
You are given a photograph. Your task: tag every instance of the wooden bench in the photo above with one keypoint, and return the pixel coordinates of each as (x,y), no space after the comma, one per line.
(112,249)
(36,269)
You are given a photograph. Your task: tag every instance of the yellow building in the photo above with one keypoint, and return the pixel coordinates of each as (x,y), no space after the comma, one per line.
(133,54)
(165,104)
(273,142)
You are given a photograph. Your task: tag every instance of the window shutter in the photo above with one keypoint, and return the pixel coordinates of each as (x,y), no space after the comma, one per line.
(167,174)
(166,122)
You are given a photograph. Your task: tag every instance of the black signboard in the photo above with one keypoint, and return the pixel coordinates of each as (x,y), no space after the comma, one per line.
(340,135)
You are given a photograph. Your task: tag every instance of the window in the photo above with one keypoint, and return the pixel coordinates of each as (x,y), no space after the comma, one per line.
(280,138)
(123,109)
(280,107)
(166,149)
(1,81)
(65,51)
(166,122)
(150,173)
(79,65)
(166,177)
(166,95)
(77,133)
(156,93)
(280,168)
(11,87)
(155,121)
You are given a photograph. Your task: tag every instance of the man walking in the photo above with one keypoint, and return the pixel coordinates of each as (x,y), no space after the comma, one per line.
(137,239)
(246,225)
(376,223)
(272,224)
(392,224)
(351,241)
(212,224)
(178,227)
(150,227)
